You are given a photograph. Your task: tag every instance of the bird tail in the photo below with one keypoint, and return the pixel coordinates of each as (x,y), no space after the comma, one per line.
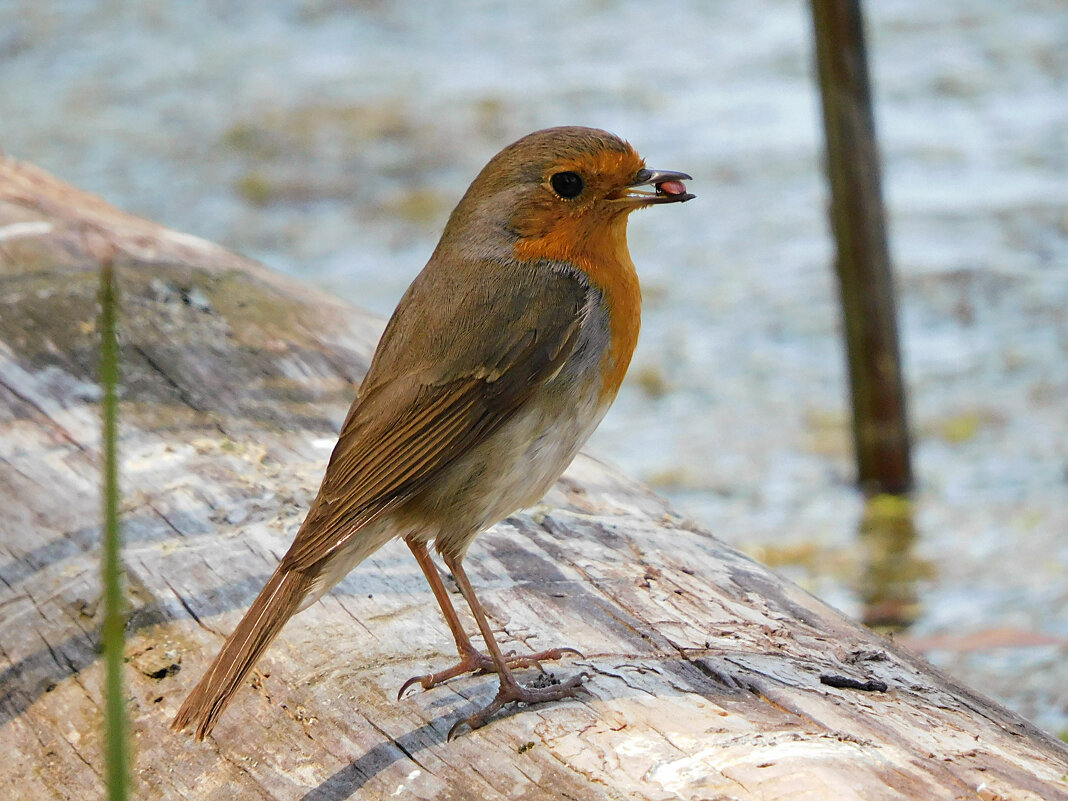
(276,603)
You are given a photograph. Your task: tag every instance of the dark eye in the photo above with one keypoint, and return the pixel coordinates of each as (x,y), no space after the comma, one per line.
(567,184)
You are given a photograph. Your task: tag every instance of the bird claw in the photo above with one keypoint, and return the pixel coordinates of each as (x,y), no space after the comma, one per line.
(427,681)
(510,692)
(568,650)
(455,727)
(472,662)
(478,663)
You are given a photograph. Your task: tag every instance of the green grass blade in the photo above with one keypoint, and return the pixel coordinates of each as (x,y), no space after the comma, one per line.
(117,758)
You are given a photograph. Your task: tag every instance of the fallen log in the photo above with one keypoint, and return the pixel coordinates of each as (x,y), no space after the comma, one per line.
(709,676)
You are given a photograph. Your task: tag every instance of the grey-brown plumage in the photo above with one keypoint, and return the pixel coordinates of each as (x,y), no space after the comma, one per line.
(276,603)
(496,366)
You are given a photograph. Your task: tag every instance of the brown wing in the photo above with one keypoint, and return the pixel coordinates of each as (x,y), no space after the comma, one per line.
(403,430)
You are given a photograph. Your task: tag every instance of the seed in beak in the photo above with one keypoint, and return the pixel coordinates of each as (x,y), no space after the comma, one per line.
(671,188)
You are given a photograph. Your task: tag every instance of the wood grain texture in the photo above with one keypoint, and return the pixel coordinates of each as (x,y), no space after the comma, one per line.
(704,666)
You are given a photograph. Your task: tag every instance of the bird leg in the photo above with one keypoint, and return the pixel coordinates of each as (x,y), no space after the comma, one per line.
(471,659)
(510,690)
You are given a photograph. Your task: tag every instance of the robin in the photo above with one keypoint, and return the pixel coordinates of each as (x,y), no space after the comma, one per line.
(498,363)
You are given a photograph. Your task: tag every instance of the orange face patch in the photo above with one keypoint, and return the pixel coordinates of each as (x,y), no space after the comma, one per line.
(589,232)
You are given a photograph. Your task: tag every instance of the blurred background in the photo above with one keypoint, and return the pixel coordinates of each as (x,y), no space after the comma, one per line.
(331,139)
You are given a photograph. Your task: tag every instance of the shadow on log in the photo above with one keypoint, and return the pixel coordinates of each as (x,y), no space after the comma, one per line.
(712,678)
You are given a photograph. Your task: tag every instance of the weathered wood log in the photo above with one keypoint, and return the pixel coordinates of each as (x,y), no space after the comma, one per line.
(709,676)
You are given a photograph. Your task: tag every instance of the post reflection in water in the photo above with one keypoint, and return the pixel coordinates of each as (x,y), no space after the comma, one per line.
(887,584)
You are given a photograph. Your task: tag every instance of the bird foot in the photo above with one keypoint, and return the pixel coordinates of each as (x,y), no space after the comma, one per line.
(478,663)
(546,689)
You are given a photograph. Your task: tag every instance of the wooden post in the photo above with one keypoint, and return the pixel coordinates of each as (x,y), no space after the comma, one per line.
(880,428)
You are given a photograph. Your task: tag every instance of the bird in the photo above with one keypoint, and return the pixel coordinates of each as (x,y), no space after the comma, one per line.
(498,363)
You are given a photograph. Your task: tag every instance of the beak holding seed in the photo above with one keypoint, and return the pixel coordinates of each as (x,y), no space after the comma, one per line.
(668,186)
(671,188)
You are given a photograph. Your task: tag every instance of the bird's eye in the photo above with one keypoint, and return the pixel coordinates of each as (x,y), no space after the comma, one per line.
(567,184)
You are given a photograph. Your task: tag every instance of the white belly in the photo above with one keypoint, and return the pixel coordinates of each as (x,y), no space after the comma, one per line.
(515,467)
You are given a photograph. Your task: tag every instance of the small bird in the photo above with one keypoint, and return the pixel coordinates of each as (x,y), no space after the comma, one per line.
(498,363)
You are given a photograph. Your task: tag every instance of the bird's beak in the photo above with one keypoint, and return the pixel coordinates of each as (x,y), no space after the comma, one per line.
(668,186)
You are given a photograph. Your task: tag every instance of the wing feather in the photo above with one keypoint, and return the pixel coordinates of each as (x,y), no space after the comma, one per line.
(403,432)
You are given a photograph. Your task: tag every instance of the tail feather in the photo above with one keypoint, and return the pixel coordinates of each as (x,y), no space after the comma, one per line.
(276,603)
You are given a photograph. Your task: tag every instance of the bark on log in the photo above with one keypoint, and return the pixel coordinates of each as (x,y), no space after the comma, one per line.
(708,672)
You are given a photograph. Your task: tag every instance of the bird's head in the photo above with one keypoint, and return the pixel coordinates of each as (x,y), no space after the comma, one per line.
(562,194)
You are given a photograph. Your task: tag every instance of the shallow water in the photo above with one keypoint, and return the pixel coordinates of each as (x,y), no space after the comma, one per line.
(331,138)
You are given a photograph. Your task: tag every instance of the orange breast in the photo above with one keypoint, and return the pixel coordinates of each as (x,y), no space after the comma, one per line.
(601,252)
